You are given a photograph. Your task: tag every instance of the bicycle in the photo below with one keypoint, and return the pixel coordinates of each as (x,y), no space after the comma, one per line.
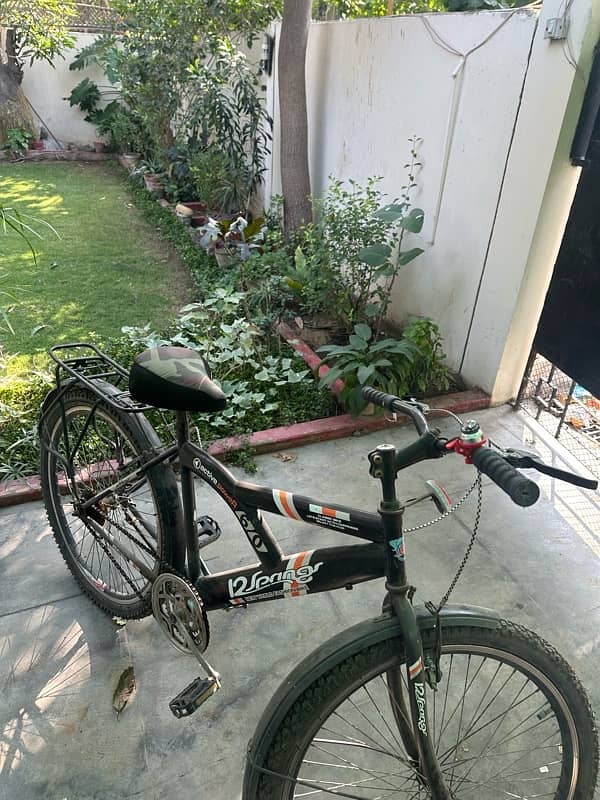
(446,701)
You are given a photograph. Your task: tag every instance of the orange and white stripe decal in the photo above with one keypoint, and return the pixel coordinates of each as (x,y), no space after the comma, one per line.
(329,512)
(414,670)
(293,588)
(285,503)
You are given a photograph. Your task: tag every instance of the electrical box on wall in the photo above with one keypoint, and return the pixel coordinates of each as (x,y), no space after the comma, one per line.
(556,28)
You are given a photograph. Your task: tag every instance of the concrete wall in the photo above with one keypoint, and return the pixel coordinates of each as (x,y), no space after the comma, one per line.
(488,95)
(46,87)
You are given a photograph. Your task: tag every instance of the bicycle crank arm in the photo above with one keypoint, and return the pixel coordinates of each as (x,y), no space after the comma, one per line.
(200,689)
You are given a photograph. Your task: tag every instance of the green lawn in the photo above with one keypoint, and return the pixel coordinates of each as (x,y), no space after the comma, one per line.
(107,269)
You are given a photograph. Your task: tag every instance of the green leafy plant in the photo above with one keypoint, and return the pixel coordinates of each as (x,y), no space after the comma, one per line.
(209,171)
(328,277)
(250,376)
(428,371)
(385,258)
(17,142)
(384,364)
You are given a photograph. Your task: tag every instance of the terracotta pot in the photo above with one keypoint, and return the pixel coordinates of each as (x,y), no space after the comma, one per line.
(99,147)
(153,184)
(224,258)
(129,160)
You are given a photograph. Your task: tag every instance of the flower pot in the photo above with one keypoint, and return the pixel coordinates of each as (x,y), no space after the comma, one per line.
(153,184)
(225,258)
(195,206)
(36,144)
(99,147)
(129,160)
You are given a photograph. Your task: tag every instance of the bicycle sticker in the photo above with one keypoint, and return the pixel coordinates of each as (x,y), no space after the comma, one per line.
(329,512)
(294,579)
(420,698)
(285,503)
(252,534)
(414,670)
(398,547)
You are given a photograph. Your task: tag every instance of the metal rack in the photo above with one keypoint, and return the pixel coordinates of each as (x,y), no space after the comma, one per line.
(91,367)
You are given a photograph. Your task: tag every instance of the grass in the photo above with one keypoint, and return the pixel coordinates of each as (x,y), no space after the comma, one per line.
(108,268)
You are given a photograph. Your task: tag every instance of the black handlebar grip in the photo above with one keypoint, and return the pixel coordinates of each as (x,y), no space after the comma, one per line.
(379,398)
(520,489)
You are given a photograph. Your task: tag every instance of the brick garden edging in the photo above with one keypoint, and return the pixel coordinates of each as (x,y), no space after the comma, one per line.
(319,430)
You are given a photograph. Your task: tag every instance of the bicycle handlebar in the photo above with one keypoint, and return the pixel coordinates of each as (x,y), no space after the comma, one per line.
(521,490)
(396,406)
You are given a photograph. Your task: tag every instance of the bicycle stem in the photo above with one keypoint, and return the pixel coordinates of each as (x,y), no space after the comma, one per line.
(384,467)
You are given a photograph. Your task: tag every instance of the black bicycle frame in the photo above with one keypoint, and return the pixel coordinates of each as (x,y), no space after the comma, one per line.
(277,575)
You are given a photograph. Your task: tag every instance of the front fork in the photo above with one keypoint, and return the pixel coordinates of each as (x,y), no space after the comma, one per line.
(416,737)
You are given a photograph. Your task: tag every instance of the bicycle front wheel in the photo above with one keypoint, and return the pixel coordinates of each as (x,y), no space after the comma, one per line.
(509,719)
(94,451)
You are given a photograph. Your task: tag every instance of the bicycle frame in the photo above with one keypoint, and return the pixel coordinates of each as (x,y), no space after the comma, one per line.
(281,576)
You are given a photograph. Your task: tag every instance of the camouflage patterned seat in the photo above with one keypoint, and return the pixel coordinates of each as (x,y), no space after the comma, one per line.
(176,378)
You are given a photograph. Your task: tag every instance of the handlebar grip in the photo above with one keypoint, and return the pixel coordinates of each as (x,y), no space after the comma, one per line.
(379,398)
(520,489)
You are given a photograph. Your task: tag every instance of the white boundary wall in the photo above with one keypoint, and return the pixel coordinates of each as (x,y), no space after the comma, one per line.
(489,96)
(46,87)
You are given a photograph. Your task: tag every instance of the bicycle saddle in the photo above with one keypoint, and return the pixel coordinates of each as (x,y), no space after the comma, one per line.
(176,378)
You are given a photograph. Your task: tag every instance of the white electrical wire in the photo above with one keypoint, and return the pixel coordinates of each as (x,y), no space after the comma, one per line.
(458,78)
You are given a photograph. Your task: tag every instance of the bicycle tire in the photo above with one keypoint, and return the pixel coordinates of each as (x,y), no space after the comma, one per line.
(302,740)
(148,512)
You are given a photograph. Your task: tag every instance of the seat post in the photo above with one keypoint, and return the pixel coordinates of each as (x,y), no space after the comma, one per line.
(189,502)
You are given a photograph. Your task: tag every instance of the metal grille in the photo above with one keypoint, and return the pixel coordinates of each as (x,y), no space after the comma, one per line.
(563,408)
(94,17)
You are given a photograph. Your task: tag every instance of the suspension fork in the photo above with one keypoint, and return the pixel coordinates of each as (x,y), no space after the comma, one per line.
(419,745)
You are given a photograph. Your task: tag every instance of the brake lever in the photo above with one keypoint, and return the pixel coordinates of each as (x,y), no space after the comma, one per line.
(524,459)
(422,407)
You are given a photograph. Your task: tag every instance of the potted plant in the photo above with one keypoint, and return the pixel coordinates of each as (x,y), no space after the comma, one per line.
(221,183)
(153,177)
(231,240)
(38,144)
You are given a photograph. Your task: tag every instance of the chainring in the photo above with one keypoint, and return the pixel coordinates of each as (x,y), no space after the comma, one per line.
(176,603)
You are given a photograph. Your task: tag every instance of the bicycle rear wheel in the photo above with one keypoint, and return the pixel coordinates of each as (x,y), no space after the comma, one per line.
(142,513)
(509,720)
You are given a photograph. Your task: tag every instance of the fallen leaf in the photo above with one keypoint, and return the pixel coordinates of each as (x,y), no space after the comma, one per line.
(282,456)
(125,689)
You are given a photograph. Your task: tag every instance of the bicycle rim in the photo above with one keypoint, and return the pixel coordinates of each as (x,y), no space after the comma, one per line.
(107,454)
(500,727)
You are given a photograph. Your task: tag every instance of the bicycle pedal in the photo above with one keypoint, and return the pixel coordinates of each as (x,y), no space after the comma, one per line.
(192,697)
(208,531)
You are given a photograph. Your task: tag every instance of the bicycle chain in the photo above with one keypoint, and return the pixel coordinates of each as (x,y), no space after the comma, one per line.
(113,560)
(128,535)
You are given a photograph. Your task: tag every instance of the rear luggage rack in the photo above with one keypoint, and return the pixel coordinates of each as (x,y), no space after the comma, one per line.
(88,365)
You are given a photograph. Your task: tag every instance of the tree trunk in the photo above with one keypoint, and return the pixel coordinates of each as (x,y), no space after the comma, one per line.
(295,179)
(14,110)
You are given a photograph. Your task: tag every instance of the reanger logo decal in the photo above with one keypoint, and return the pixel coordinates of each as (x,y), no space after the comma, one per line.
(240,586)
(420,698)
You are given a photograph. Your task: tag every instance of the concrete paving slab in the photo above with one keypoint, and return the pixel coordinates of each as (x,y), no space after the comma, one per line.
(60,657)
